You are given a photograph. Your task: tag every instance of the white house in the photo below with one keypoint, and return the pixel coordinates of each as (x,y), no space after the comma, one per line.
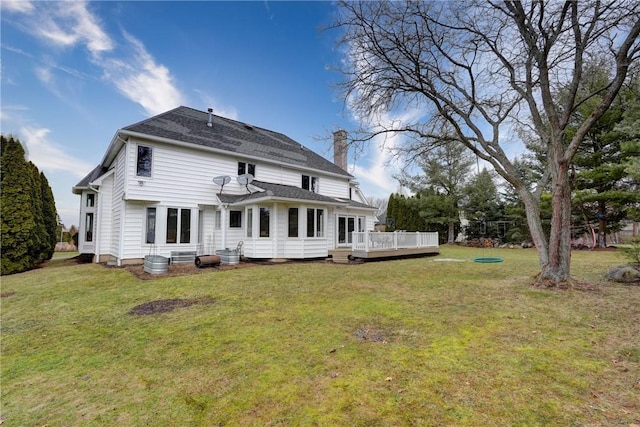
(188,180)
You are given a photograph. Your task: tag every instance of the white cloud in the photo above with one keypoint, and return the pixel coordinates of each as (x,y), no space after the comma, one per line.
(129,67)
(142,80)
(69,23)
(48,156)
(377,178)
(20,6)
(87,27)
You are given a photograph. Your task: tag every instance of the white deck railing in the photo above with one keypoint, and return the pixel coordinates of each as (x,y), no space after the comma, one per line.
(373,240)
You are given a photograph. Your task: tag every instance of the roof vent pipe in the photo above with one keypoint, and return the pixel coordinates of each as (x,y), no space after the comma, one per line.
(210,122)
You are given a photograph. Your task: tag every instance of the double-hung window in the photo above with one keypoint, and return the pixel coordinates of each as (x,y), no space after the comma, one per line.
(143,161)
(88,224)
(310,183)
(264,222)
(151,225)
(315,222)
(249,168)
(293,222)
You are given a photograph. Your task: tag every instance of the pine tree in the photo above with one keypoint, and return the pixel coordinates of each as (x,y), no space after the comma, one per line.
(604,195)
(482,206)
(392,213)
(29,218)
(445,170)
(401,212)
(40,238)
(18,220)
(50,217)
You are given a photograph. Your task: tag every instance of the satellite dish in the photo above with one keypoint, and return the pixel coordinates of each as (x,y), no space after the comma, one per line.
(222,180)
(245,179)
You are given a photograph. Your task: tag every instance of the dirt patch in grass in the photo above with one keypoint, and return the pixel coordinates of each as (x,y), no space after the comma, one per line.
(174,270)
(7,294)
(577,285)
(371,335)
(167,305)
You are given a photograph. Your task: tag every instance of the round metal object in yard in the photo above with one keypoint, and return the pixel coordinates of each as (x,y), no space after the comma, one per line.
(156,264)
(487,259)
(207,261)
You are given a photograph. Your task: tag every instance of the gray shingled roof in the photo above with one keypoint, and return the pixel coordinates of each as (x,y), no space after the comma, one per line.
(279,191)
(287,192)
(188,125)
(91,176)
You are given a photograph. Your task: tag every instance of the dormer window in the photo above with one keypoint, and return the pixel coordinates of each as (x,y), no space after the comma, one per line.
(246,168)
(143,163)
(310,183)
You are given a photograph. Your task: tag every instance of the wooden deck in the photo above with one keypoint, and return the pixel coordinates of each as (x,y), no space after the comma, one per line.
(344,255)
(374,245)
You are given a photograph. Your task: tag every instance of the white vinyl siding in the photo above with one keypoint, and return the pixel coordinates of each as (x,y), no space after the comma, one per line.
(328,185)
(105,215)
(118,203)
(182,178)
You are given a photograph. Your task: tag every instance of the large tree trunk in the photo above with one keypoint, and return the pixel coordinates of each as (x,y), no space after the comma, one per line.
(554,255)
(557,268)
(532,210)
(451,235)
(602,225)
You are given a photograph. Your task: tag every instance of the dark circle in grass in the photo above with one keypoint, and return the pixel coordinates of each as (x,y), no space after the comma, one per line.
(167,305)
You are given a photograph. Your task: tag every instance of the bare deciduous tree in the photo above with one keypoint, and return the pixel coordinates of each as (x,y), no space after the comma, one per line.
(477,68)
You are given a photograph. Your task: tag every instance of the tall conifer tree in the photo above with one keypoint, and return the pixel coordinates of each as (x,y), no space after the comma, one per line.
(18,221)
(50,216)
(29,218)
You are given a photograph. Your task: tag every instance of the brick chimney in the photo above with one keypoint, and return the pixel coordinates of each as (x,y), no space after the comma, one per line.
(340,148)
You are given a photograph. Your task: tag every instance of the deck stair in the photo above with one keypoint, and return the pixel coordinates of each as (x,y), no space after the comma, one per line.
(340,256)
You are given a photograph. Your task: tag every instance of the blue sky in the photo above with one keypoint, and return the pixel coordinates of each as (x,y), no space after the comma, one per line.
(74,73)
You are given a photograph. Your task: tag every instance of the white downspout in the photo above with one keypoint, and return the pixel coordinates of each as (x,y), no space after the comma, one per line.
(123,214)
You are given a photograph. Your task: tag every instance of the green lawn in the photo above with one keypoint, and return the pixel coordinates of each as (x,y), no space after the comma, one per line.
(393,343)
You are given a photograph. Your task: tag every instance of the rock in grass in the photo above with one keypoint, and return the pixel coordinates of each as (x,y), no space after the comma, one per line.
(623,274)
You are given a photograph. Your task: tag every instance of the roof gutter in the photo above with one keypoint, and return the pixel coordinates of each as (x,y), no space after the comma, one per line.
(268,198)
(219,151)
(114,147)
